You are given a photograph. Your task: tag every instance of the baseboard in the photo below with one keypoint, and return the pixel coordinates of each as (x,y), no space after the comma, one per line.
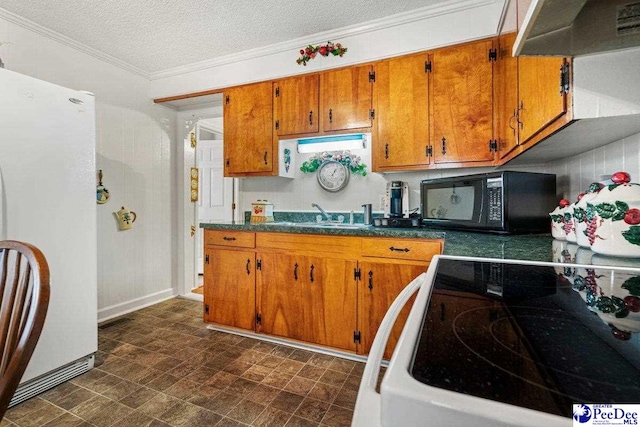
(116,310)
(295,344)
(51,379)
(194,297)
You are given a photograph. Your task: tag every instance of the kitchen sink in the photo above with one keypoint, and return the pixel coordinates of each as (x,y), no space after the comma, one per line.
(339,225)
(317,224)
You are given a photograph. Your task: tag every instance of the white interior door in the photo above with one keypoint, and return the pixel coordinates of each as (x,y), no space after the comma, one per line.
(215,198)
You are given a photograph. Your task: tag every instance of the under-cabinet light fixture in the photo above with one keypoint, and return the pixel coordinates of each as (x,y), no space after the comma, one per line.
(356,141)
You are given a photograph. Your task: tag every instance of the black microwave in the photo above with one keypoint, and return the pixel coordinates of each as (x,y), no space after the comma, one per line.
(498,202)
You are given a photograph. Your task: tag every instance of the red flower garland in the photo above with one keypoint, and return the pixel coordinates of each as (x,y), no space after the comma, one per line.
(310,52)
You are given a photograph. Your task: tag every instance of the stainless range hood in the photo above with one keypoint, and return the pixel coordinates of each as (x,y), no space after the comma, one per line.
(578,27)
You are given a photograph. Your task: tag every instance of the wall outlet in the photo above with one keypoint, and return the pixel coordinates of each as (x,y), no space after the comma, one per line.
(381,202)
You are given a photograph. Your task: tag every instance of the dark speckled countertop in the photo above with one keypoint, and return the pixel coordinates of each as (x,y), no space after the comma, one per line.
(526,247)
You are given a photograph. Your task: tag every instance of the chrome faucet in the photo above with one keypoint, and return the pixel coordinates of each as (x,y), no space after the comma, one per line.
(322,211)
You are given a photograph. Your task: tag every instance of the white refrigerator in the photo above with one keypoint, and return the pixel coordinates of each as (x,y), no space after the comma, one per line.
(48,198)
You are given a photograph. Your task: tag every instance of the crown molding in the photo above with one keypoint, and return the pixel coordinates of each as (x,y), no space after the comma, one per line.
(452,6)
(53,35)
(449,7)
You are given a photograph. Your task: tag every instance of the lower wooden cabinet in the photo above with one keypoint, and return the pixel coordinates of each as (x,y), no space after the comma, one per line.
(279,289)
(286,287)
(229,287)
(307,298)
(380,285)
(329,301)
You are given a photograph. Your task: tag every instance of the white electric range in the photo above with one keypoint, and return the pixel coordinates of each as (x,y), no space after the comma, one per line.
(506,343)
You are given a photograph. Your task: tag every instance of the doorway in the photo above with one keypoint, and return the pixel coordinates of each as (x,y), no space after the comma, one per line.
(203,150)
(215,192)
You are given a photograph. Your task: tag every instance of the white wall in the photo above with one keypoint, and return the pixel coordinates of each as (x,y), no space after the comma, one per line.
(573,174)
(297,194)
(134,150)
(576,173)
(442,25)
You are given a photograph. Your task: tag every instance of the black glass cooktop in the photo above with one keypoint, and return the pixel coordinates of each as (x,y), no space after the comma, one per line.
(533,336)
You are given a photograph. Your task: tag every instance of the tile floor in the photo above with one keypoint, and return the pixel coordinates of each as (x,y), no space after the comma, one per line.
(162,367)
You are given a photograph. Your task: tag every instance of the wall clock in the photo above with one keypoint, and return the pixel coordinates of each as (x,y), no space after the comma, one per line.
(333,176)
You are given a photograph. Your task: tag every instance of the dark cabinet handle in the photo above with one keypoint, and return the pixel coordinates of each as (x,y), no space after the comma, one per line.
(514,117)
(310,117)
(444,145)
(521,108)
(265,157)
(442,312)
(311,273)
(386,151)
(370,280)
(399,249)
(295,271)
(561,80)
(330,115)
(229,239)
(248,266)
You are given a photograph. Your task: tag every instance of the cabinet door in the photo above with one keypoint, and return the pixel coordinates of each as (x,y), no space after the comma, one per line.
(401,95)
(346,98)
(248,144)
(329,302)
(229,287)
(379,285)
(505,89)
(541,101)
(296,105)
(280,286)
(462,103)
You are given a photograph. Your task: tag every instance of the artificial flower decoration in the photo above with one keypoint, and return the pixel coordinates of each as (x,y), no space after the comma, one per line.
(310,52)
(352,162)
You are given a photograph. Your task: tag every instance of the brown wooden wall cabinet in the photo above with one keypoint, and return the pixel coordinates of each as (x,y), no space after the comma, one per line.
(466,105)
(296,103)
(401,128)
(248,139)
(532,98)
(283,287)
(327,102)
(435,109)
(346,98)
(461,104)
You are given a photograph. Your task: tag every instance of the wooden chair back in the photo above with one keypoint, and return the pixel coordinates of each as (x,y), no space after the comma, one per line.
(24,299)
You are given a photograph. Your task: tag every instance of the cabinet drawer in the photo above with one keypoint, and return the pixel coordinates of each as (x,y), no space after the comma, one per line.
(406,249)
(239,239)
(312,244)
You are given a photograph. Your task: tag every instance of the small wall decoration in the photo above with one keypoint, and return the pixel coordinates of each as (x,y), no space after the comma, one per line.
(126,218)
(310,52)
(194,184)
(287,159)
(352,162)
(102,194)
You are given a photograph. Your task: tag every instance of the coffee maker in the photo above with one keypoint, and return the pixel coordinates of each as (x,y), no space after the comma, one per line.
(396,202)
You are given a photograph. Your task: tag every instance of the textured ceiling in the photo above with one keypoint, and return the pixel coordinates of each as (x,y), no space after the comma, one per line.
(154,35)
